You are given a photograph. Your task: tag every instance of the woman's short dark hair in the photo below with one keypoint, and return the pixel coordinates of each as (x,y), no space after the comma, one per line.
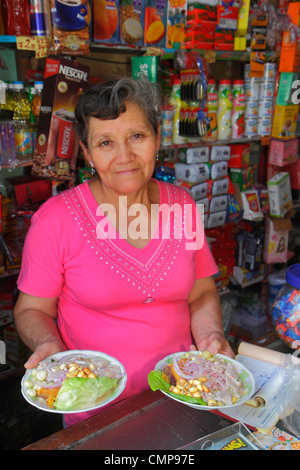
(108,100)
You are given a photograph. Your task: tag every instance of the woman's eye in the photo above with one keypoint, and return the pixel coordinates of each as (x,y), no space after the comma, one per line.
(137,136)
(105,143)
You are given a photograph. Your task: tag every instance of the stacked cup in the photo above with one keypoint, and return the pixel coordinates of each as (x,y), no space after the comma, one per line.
(252,90)
(267,88)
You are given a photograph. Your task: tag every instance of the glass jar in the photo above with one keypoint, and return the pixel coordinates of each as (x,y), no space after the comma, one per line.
(286,308)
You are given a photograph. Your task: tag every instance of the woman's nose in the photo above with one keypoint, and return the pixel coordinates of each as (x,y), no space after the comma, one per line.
(125,153)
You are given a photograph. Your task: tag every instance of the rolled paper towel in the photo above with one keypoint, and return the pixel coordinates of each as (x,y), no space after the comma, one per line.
(263,354)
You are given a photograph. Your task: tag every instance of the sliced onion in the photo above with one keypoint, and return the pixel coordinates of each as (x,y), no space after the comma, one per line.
(188,375)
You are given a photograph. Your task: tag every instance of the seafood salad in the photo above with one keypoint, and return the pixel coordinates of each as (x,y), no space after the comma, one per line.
(200,378)
(74,381)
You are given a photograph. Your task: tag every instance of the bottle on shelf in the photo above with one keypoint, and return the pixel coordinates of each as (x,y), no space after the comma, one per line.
(16,19)
(22,126)
(238,110)
(20,102)
(211,111)
(178,104)
(35,98)
(224,110)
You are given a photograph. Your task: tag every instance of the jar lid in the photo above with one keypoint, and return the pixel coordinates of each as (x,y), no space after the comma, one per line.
(293,275)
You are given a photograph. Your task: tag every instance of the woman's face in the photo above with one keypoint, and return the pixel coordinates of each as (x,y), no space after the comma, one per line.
(123,150)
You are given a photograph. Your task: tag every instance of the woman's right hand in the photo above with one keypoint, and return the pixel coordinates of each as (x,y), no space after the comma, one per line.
(43,350)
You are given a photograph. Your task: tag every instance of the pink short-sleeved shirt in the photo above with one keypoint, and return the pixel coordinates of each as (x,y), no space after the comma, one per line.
(112,297)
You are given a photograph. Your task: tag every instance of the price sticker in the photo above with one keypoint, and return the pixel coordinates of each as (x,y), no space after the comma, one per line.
(39,44)
(42,47)
(26,43)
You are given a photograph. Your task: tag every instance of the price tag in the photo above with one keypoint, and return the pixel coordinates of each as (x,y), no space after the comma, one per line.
(39,44)
(42,47)
(26,43)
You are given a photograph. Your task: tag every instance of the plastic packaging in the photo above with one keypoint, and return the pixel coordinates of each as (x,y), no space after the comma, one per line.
(238,111)
(16,14)
(286,308)
(224,110)
(276,281)
(289,397)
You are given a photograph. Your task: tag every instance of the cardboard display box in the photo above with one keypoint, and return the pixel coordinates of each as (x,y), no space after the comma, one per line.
(55,154)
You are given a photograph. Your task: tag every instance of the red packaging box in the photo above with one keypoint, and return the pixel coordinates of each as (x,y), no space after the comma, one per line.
(227,17)
(200,12)
(29,189)
(224,39)
(283,152)
(203,34)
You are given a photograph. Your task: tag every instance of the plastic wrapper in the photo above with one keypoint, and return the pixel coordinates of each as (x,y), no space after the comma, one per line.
(289,396)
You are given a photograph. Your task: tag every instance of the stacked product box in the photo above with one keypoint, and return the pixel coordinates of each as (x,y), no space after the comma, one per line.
(287,107)
(203,171)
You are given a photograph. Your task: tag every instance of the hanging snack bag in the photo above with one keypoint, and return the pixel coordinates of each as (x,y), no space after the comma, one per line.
(70,27)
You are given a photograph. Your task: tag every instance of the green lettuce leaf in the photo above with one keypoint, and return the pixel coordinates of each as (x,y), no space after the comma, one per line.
(157,382)
(78,393)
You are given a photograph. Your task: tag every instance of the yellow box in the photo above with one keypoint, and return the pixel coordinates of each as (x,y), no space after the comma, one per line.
(285,121)
(243,18)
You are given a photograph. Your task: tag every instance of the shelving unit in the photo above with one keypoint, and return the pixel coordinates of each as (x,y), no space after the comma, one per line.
(168,54)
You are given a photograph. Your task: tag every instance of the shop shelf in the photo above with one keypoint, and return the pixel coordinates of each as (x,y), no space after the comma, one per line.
(7,39)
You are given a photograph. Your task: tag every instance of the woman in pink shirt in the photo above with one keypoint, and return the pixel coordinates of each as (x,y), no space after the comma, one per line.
(119,264)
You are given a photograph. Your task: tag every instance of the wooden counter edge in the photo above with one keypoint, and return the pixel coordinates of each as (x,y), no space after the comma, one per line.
(69,437)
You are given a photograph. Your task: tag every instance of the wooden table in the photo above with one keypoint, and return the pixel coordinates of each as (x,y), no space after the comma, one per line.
(149,421)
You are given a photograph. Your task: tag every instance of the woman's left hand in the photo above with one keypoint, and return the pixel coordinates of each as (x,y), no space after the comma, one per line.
(215,343)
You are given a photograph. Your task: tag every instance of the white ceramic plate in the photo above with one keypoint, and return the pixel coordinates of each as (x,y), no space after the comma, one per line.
(40,403)
(248,382)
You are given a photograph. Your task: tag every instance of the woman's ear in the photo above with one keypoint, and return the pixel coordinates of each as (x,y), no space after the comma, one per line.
(158,138)
(85,152)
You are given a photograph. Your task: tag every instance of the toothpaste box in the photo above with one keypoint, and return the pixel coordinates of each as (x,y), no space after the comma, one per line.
(280,195)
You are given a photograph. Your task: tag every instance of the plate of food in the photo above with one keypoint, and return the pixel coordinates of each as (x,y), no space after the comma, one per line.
(74,381)
(203,381)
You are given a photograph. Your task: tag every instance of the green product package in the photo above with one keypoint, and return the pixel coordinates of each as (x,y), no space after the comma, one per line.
(147,65)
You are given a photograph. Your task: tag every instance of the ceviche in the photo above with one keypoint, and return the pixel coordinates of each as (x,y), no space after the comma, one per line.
(73,382)
(200,378)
